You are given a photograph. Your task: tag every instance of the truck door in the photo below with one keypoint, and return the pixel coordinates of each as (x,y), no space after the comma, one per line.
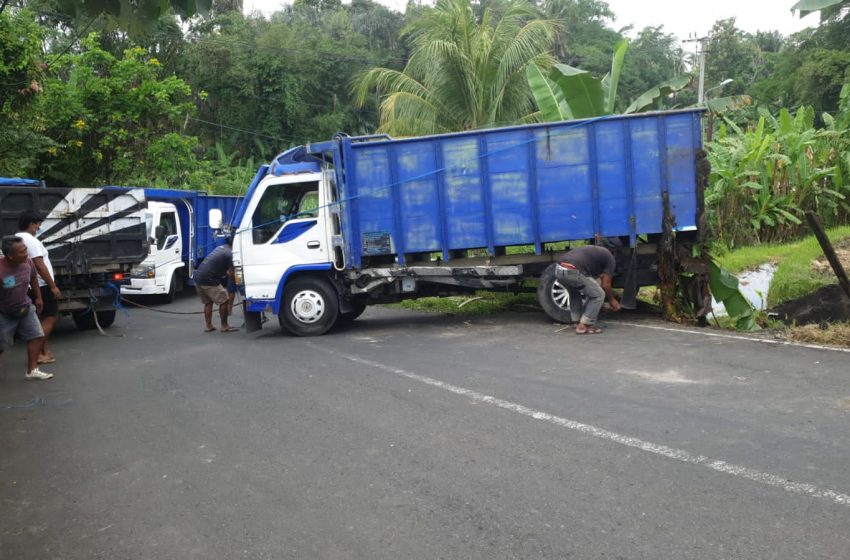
(168,245)
(288,228)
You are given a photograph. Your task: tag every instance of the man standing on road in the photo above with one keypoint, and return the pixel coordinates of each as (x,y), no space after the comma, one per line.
(17,311)
(217,265)
(28,224)
(578,271)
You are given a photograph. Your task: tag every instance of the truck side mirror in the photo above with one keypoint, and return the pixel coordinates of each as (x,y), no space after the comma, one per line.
(160,232)
(214,218)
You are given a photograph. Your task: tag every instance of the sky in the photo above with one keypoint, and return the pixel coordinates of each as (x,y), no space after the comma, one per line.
(679,17)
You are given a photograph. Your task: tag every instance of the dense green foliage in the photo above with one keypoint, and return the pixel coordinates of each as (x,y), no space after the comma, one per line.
(463,73)
(765,176)
(194,93)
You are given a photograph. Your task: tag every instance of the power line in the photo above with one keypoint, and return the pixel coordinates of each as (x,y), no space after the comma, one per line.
(254,132)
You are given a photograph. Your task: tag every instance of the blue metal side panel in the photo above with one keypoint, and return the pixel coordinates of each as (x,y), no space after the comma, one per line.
(681,169)
(465,225)
(510,188)
(564,184)
(611,167)
(418,197)
(371,174)
(647,175)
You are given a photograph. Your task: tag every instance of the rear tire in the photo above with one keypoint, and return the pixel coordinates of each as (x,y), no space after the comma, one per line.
(84,320)
(105,318)
(553,296)
(310,307)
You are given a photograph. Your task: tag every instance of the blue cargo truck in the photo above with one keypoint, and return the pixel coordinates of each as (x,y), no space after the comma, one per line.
(177,225)
(329,228)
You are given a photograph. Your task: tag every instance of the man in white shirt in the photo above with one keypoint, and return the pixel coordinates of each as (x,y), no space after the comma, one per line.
(28,223)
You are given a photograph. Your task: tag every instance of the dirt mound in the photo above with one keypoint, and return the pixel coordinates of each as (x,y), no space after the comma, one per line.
(827,305)
(842,251)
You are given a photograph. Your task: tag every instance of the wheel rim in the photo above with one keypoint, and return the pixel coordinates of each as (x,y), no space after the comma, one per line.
(307,306)
(560,295)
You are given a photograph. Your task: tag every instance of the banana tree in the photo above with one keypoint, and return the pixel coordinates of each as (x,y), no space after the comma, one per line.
(572,93)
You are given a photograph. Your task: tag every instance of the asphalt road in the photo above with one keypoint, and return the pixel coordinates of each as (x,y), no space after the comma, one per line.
(418,436)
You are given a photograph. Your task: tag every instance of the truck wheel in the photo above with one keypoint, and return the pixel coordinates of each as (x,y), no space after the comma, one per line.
(348,318)
(310,307)
(83,319)
(105,318)
(174,287)
(553,296)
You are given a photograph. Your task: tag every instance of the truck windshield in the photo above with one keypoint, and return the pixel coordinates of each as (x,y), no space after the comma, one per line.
(281,203)
(149,225)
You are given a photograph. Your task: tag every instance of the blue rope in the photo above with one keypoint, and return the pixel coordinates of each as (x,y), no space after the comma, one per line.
(116,300)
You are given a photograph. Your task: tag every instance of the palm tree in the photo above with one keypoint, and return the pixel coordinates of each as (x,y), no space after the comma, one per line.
(462,73)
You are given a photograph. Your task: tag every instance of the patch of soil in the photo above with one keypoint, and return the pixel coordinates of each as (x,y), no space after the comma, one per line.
(827,305)
(842,251)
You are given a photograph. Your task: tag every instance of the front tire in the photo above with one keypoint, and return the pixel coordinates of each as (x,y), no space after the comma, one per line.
(553,296)
(174,286)
(348,318)
(310,307)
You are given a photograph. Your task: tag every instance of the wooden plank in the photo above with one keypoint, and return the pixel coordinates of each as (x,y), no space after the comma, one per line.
(828,251)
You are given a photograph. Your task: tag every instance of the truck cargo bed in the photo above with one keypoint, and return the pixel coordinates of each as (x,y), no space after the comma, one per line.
(85,230)
(524,185)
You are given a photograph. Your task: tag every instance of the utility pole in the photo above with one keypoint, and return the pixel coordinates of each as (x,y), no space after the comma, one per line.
(702,43)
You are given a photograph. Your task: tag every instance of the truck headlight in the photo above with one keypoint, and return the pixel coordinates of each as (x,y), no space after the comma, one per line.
(144,272)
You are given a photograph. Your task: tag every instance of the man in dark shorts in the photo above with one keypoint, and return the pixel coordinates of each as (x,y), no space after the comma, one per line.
(208,277)
(17,311)
(28,224)
(578,271)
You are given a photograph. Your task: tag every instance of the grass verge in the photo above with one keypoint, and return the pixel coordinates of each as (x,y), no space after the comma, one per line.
(837,334)
(482,303)
(794,276)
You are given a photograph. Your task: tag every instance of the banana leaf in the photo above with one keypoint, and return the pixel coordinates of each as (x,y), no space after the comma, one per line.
(731,103)
(650,98)
(724,288)
(548,96)
(612,80)
(582,92)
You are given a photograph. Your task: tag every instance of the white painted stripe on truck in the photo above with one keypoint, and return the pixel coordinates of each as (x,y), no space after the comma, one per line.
(681,455)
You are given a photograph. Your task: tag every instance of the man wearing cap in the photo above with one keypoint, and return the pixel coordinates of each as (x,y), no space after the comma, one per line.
(28,224)
(578,271)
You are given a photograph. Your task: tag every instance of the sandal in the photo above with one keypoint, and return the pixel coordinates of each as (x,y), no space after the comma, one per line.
(229,329)
(590,330)
(211,329)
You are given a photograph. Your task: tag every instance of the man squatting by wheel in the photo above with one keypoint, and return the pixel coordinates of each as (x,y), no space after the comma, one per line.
(578,271)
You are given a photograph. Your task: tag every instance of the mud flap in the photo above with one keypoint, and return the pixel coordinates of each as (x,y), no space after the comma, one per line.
(253,321)
(628,300)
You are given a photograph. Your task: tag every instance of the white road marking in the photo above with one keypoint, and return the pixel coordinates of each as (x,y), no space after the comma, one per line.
(669,452)
(737,337)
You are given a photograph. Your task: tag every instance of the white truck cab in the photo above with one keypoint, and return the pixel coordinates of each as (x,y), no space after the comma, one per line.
(163,270)
(285,229)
